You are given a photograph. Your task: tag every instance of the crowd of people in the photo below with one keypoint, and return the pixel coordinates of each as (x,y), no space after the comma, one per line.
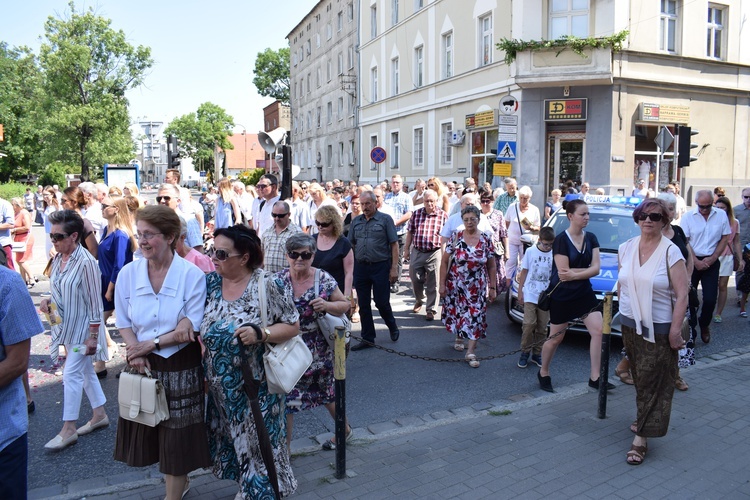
(184,280)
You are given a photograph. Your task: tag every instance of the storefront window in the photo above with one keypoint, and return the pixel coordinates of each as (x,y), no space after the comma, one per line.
(647,157)
(482,157)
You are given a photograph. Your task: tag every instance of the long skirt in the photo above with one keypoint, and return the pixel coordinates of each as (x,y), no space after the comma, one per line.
(179,444)
(654,369)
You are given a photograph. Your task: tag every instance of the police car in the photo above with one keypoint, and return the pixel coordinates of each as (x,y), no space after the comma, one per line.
(611,220)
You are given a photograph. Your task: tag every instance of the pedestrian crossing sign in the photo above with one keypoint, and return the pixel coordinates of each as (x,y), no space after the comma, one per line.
(506,150)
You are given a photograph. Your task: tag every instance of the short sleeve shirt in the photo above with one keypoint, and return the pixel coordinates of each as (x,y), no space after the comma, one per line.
(539,269)
(371,239)
(578,260)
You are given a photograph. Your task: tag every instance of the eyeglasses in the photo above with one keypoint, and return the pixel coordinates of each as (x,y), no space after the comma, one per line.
(655,217)
(280,216)
(166,199)
(105,206)
(471,220)
(322,224)
(704,207)
(297,255)
(546,244)
(145,236)
(58,236)
(223,255)
(262,186)
(486,201)
(746,197)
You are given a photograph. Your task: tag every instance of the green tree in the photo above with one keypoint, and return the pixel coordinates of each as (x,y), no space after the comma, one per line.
(251,177)
(201,132)
(272,74)
(88,66)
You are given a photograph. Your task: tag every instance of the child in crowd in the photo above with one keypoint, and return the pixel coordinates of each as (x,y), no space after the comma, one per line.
(743,284)
(533,279)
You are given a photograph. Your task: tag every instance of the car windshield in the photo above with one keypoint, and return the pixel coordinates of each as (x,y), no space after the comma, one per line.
(610,229)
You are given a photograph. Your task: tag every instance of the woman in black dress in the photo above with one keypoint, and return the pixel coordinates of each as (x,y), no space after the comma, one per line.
(576,259)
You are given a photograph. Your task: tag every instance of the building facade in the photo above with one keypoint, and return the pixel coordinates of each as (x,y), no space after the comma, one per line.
(275,115)
(323,91)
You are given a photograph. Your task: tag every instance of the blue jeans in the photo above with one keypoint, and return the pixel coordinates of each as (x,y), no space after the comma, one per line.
(372,281)
(13,465)
(709,279)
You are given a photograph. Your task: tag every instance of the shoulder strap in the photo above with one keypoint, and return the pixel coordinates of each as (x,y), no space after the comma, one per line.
(317,282)
(518,212)
(262,301)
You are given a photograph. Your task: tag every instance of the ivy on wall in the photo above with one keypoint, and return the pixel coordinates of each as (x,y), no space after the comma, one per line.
(576,44)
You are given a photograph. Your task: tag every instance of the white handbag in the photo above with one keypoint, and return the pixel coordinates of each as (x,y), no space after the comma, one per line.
(285,362)
(142,399)
(328,322)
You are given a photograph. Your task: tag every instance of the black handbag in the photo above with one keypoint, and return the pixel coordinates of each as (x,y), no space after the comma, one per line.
(546,297)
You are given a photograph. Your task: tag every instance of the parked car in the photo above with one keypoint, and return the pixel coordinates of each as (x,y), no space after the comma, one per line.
(611,220)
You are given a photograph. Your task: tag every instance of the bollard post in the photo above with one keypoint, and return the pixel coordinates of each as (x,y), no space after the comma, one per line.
(339,375)
(604,368)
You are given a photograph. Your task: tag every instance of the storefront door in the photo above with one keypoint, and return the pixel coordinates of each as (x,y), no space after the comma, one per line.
(565,159)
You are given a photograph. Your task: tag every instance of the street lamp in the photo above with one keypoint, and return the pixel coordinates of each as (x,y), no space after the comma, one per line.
(244,133)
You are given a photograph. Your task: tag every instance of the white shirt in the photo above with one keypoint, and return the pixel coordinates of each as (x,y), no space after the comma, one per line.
(95,217)
(300,214)
(539,270)
(314,208)
(514,229)
(456,223)
(703,235)
(149,314)
(262,218)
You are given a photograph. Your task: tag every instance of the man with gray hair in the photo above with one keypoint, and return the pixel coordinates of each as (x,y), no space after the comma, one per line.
(244,200)
(508,197)
(169,195)
(275,237)
(707,230)
(455,223)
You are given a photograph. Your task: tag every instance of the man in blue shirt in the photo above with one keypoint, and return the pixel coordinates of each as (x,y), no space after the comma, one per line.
(18,323)
(401,206)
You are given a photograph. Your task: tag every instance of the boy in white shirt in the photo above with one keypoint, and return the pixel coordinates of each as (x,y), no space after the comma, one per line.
(533,279)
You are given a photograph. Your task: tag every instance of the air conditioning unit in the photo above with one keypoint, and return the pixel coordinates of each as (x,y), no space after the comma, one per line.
(457,138)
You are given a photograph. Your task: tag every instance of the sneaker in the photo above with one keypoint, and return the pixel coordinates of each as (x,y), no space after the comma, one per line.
(394,288)
(523,361)
(743,314)
(537,359)
(717,319)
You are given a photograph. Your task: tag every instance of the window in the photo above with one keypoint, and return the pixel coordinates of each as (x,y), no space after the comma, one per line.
(301,54)
(668,26)
(482,158)
(295,88)
(317,40)
(308,47)
(419,66)
(373,144)
(374,84)
(568,17)
(485,40)
(341,154)
(394,150)
(350,57)
(329,112)
(341,108)
(352,105)
(340,63)
(309,82)
(294,59)
(394,12)
(394,76)
(329,70)
(373,21)
(446,153)
(352,157)
(418,147)
(317,77)
(309,120)
(448,54)
(418,4)
(317,117)
(329,156)
(340,21)
(715,35)
(329,31)
(350,12)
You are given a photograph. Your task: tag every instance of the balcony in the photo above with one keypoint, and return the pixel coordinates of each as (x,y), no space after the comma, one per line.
(553,68)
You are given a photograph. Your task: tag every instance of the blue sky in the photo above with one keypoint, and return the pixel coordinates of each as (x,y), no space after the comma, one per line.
(202,51)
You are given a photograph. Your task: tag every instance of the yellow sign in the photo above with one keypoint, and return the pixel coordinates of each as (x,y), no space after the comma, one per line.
(502,169)
(484,118)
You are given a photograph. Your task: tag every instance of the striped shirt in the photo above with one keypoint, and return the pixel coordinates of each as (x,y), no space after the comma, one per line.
(274,247)
(425,228)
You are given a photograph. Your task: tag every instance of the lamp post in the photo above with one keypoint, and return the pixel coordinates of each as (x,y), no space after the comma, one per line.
(244,133)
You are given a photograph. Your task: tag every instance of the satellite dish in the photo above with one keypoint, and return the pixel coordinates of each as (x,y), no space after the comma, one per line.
(269,140)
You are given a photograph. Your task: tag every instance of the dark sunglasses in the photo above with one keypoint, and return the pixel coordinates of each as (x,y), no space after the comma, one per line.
(279,216)
(486,201)
(297,255)
(322,224)
(262,186)
(58,236)
(105,206)
(165,198)
(704,207)
(655,217)
(223,255)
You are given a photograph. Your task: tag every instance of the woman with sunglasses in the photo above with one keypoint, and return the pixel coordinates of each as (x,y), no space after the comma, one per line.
(73,199)
(315,388)
(335,255)
(76,306)
(233,333)
(160,300)
(500,239)
(652,289)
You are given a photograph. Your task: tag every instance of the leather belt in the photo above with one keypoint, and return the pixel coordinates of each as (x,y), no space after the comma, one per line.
(427,251)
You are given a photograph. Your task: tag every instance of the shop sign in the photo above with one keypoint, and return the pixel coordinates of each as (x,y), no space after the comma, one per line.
(664,113)
(565,109)
(481,119)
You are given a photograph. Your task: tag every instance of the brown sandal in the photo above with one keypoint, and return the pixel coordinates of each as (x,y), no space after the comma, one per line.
(625,376)
(636,455)
(634,427)
(680,384)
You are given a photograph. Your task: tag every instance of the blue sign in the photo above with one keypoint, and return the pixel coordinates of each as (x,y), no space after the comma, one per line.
(506,150)
(377,155)
(203,173)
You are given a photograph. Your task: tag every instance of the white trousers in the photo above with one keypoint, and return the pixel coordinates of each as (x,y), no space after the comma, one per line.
(79,376)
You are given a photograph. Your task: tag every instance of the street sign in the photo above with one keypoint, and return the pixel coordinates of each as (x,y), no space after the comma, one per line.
(506,137)
(502,169)
(508,105)
(507,129)
(664,139)
(202,173)
(377,155)
(507,120)
(506,150)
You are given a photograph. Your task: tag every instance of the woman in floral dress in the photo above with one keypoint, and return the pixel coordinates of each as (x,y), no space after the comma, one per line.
(315,388)
(500,241)
(233,333)
(468,264)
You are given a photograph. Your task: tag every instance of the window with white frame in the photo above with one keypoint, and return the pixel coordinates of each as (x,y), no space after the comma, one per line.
(715,35)
(373,144)
(317,40)
(329,156)
(308,47)
(317,77)
(485,40)
(418,4)
(340,61)
(341,154)
(341,108)
(374,84)
(340,21)
(352,104)
(668,26)
(419,66)
(448,54)
(394,76)
(317,117)
(350,11)
(394,12)
(294,59)
(373,21)
(568,18)
(309,82)
(446,152)
(352,156)
(329,112)
(309,120)
(329,31)
(418,147)
(395,148)
(350,57)
(329,70)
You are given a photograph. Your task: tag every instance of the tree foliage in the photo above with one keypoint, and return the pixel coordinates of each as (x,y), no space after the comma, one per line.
(272,74)
(201,132)
(250,177)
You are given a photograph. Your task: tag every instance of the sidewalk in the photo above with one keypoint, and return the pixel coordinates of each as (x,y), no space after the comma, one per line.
(534,445)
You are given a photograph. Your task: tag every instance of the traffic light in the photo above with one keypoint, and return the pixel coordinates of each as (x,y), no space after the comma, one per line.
(173,152)
(684,145)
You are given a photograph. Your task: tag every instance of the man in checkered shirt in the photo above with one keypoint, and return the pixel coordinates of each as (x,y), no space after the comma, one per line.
(274,238)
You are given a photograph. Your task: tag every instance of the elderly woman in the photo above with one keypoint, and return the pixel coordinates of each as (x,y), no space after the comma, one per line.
(553,205)
(468,266)
(233,333)
(76,302)
(22,234)
(522,218)
(159,301)
(500,239)
(652,288)
(73,199)
(315,388)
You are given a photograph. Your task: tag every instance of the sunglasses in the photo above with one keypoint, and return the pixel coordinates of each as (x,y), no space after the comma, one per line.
(223,255)
(655,217)
(58,236)
(322,224)
(297,255)
(165,198)
(704,207)
(486,201)
(280,216)
(105,206)
(262,186)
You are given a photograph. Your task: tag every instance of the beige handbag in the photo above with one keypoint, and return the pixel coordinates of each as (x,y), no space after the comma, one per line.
(142,399)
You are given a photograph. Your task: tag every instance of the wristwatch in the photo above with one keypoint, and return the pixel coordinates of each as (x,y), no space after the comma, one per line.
(267,332)
(156,344)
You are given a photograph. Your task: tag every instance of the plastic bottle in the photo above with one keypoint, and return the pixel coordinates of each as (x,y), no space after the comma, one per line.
(81,349)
